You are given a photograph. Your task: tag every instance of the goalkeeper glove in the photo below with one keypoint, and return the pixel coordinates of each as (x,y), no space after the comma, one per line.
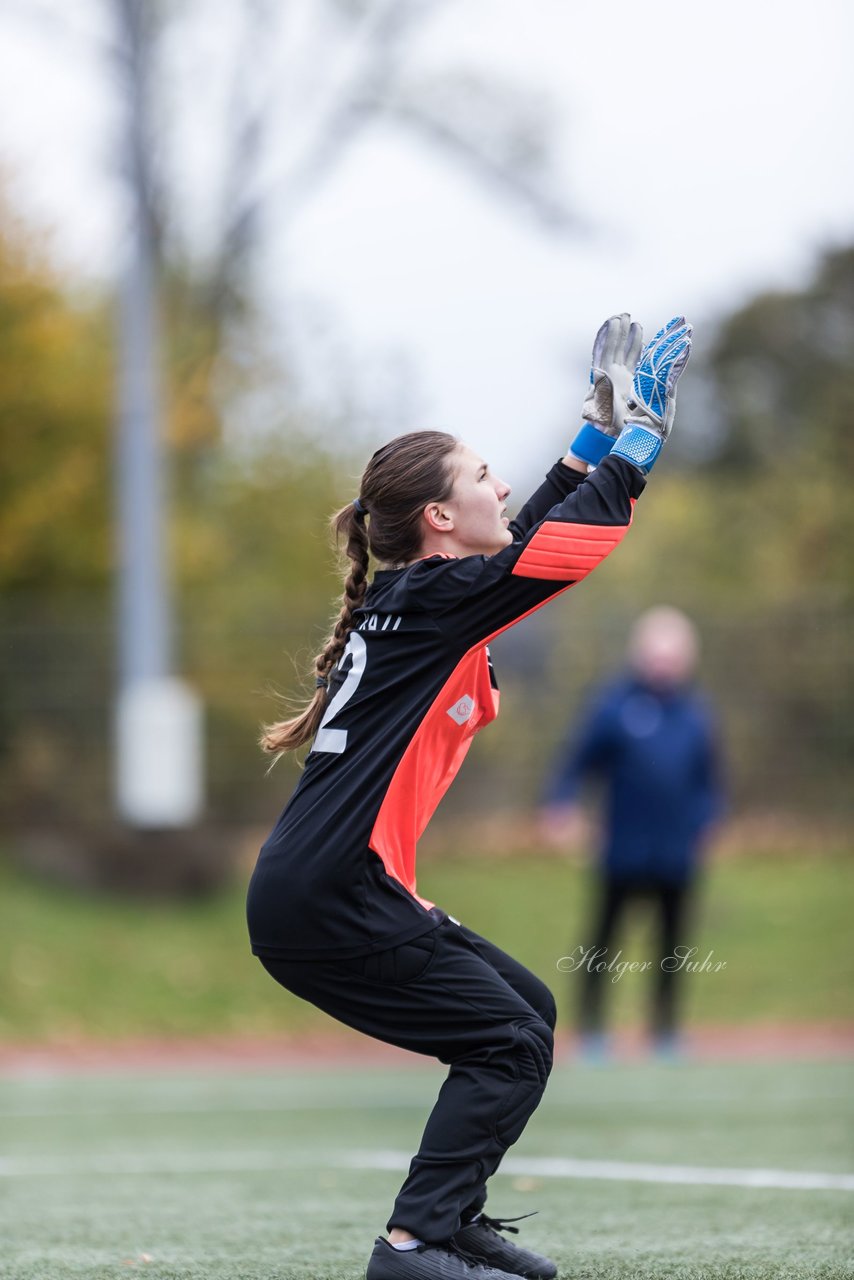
(651,406)
(616,349)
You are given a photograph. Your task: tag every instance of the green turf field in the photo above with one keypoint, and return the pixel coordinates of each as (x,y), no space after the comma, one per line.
(290,1177)
(87,966)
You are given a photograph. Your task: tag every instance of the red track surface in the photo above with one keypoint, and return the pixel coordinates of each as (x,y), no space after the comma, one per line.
(792,1042)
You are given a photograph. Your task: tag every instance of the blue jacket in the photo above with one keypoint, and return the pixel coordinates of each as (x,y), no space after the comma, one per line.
(655,751)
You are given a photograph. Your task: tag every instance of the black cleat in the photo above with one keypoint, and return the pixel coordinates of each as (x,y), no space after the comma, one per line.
(431,1262)
(480,1239)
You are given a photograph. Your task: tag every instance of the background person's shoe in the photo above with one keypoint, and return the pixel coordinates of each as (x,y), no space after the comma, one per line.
(428,1262)
(668,1046)
(595,1048)
(481,1239)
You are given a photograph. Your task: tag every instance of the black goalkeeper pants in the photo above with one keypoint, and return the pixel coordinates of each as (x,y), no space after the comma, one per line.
(454,996)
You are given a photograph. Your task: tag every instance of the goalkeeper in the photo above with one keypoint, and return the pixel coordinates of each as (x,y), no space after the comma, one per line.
(401,686)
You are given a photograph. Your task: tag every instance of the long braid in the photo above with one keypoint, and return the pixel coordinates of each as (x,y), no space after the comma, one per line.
(400,479)
(347,523)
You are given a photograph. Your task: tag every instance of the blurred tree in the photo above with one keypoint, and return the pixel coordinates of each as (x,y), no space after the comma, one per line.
(247,533)
(55,409)
(240,108)
(784,374)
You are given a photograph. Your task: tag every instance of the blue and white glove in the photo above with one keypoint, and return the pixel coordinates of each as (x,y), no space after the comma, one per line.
(616,349)
(651,405)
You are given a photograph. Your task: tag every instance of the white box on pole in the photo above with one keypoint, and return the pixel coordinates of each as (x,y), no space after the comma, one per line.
(159,754)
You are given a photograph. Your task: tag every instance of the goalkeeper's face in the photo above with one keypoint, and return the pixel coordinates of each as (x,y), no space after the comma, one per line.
(477,506)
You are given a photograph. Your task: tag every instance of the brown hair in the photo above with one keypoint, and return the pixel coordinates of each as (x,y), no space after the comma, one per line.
(399,481)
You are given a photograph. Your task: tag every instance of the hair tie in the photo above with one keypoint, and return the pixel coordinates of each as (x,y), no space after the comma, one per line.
(360,509)
(320,682)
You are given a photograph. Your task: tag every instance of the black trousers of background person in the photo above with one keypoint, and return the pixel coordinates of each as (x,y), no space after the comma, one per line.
(454,996)
(671,902)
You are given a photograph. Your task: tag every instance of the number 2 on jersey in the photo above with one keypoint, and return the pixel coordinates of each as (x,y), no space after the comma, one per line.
(335,740)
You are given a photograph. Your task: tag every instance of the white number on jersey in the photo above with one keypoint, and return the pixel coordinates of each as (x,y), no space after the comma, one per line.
(335,740)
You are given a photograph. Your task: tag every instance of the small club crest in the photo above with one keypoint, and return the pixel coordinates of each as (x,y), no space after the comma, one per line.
(463,709)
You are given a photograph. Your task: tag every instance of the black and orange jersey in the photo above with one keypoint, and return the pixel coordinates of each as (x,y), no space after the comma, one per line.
(336,876)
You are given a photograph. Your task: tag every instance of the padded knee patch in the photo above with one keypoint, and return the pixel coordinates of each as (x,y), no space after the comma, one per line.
(533,1057)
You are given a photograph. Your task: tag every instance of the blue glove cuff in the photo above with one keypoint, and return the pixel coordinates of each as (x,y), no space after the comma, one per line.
(638,446)
(591,445)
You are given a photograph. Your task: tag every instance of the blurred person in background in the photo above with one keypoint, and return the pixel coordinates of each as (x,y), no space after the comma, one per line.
(648,737)
(401,686)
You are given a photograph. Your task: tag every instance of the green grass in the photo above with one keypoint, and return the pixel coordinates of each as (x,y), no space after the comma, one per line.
(104,967)
(267,1177)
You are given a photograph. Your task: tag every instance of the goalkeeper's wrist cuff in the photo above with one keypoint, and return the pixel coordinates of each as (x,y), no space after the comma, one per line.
(591,445)
(639,446)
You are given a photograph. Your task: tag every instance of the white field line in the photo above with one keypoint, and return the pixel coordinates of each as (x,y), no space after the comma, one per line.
(123,1109)
(225,1162)
(192,1107)
(154,1164)
(623,1171)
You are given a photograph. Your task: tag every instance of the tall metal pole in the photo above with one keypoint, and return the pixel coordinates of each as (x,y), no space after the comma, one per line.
(144,622)
(158,721)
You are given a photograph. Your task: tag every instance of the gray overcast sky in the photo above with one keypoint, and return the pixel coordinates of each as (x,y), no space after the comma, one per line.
(708,147)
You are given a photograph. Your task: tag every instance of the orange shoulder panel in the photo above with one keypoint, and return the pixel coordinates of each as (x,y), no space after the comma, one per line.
(561,550)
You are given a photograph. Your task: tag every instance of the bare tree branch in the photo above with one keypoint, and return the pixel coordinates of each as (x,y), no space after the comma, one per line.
(52,21)
(134,58)
(244,149)
(496,133)
(547,209)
